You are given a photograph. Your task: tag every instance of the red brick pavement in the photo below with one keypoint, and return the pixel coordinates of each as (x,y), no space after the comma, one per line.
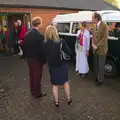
(89,101)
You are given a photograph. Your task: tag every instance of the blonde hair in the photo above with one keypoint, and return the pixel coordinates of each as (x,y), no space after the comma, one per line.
(36,21)
(51,33)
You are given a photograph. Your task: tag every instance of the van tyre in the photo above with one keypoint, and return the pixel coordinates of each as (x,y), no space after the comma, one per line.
(110,69)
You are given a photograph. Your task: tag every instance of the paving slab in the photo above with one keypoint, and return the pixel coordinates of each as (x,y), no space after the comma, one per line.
(90,102)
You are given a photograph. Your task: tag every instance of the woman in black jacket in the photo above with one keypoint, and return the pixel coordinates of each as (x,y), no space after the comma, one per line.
(57,67)
(16,31)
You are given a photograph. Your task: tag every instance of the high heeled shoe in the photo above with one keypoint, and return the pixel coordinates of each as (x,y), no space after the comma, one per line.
(57,104)
(69,101)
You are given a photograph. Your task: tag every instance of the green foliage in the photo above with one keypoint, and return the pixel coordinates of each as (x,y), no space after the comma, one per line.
(113,2)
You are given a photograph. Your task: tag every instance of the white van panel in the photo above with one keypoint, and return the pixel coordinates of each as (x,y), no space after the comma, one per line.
(107,16)
(86,16)
(74,17)
(113,17)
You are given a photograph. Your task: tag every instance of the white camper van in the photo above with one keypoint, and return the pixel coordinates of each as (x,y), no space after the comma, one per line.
(67,26)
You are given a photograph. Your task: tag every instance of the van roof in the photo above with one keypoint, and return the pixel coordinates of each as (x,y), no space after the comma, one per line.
(84,16)
(112,17)
(72,17)
(100,12)
(107,12)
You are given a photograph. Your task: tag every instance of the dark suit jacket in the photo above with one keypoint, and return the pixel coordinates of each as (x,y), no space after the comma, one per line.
(100,39)
(33,46)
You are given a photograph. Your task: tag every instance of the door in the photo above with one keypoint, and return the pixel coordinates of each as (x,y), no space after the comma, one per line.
(13,17)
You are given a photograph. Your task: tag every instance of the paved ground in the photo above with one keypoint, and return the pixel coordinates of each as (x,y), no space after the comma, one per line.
(89,101)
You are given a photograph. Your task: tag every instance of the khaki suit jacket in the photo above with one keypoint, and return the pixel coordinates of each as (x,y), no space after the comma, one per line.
(100,39)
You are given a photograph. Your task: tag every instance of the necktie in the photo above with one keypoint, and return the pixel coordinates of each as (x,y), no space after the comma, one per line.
(96,27)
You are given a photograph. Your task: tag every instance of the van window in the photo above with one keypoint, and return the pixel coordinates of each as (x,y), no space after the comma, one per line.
(111,28)
(75,28)
(91,27)
(63,27)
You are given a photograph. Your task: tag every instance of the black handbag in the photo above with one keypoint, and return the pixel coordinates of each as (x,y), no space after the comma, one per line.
(63,55)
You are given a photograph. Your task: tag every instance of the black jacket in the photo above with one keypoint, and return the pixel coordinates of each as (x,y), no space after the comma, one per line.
(33,46)
(52,51)
(16,32)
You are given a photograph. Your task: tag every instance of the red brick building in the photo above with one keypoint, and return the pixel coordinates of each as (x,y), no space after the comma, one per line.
(26,14)
(47,9)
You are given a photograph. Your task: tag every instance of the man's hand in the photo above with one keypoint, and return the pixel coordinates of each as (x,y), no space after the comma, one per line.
(94,46)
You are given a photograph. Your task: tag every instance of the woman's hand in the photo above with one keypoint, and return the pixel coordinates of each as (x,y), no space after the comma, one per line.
(87,53)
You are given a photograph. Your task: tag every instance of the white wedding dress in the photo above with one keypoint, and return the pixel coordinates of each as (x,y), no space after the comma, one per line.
(81,57)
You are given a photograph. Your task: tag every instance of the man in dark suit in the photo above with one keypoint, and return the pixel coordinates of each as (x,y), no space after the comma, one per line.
(116,32)
(34,55)
(100,47)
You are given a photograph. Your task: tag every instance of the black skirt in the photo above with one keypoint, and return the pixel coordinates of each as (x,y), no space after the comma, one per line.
(59,75)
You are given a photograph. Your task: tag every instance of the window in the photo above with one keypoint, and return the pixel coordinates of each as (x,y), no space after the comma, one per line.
(75,27)
(63,27)
(91,27)
(111,28)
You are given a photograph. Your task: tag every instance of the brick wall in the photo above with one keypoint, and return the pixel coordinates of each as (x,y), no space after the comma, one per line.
(46,14)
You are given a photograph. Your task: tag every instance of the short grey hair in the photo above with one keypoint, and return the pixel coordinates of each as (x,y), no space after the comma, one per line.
(19,21)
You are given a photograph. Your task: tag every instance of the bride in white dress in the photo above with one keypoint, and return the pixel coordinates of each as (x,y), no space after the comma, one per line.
(82,50)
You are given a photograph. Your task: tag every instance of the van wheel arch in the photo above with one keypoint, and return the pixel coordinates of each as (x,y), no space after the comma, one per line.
(110,69)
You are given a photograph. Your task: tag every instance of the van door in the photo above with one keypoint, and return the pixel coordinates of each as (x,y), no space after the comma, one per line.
(113,56)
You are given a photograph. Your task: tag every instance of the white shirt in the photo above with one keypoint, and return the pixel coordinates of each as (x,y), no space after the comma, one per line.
(98,24)
(86,41)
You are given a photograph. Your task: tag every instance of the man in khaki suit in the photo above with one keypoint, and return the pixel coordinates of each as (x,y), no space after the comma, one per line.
(100,46)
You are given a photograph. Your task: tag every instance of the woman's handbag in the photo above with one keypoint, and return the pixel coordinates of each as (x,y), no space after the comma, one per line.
(63,55)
